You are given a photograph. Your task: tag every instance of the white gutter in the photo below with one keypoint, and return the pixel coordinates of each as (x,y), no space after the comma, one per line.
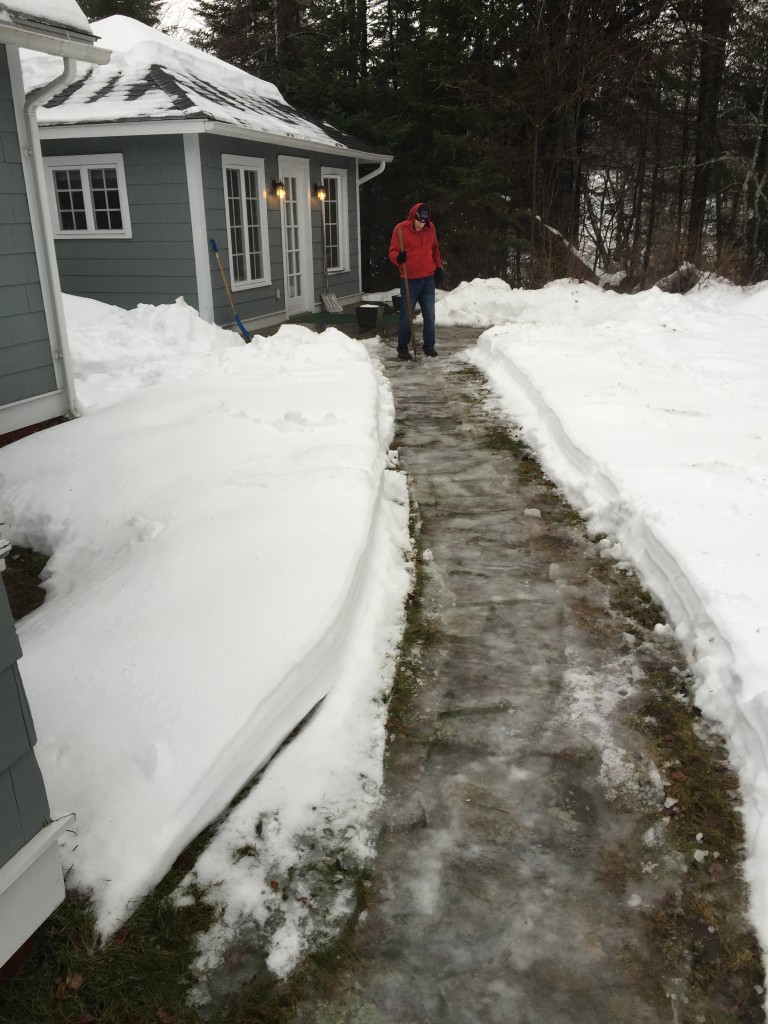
(294,141)
(49,271)
(59,46)
(373,174)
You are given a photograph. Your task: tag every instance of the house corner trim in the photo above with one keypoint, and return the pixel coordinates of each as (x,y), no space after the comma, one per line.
(199,234)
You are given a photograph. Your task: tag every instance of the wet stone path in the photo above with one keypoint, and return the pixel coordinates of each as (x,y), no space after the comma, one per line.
(527,873)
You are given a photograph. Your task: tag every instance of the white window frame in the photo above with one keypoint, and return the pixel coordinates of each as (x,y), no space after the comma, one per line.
(86,163)
(248,163)
(342,179)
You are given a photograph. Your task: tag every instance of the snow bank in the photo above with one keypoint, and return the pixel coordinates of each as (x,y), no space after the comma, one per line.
(213,520)
(651,413)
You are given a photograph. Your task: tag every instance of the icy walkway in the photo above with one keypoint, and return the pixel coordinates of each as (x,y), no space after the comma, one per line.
(526,847)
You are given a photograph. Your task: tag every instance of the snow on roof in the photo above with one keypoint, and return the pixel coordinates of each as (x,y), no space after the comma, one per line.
(153,77)
(53,13)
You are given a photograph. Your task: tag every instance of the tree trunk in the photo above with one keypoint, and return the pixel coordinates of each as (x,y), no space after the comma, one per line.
(716,21)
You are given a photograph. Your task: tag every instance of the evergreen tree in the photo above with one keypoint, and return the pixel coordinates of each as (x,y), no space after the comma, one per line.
(629,131)
(146,11)
(263,37)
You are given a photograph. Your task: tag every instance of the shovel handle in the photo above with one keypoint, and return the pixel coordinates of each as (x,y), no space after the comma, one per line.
(241,326)
(407,293)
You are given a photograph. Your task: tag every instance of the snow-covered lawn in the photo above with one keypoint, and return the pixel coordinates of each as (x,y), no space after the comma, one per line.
(228,546)
(229,540)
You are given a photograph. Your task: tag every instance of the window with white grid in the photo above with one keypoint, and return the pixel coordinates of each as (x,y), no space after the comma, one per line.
(88,196)
(246,221)
(335,218)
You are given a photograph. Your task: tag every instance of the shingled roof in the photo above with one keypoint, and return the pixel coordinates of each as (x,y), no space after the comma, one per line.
(155,78)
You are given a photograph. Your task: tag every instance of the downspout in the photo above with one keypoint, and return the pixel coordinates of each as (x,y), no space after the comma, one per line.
(373,174)
(361,181)
(49,267)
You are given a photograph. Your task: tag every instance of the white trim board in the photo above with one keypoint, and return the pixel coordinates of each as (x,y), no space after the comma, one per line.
(198,126)
(30,411)
(199,227)
(31,887)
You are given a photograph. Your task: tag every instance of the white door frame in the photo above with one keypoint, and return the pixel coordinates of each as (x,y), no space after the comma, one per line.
(298,264)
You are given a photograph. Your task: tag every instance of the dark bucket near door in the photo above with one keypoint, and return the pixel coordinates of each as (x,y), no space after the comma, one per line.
(369,316)
(397,303)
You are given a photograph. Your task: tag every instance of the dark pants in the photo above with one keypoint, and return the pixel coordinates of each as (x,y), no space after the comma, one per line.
(422,291)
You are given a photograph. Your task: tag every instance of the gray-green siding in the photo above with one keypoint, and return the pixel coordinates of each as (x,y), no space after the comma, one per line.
(23,803)
(262,301)
(156,265)
(26,361)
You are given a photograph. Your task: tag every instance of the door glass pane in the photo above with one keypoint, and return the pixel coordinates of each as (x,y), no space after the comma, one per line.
(331,211)
(293,255)
(236,234)
(251,198)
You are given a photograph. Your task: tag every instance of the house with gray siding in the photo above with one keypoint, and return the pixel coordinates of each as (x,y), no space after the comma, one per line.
(35,383)
(35,386)
(149,159)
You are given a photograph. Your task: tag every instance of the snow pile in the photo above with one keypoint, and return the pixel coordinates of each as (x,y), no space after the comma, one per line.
(135,44)
(117,351)
(227,547)
(480,303)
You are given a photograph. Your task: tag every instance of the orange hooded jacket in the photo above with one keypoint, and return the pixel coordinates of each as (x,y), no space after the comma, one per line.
(421,247)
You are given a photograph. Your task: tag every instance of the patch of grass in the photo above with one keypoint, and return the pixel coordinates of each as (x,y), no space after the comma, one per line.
(141,974)
(700,780)
(703,929)
(554,506)
(470,374)
(596,620)
(700,933)
(321,975)
(497,439)
(628,596)
(241,852)
(421,632)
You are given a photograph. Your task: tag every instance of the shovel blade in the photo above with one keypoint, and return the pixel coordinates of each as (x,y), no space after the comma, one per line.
(331,303)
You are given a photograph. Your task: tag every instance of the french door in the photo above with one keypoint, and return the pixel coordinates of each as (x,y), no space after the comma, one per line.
(297,238)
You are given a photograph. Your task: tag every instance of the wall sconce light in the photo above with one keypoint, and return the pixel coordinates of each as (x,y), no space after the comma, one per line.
(319,191)
(278,189)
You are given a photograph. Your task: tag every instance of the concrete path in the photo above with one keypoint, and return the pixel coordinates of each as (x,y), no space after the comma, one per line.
(527,865)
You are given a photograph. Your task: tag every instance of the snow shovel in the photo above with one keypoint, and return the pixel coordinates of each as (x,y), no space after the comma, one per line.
(331,303)
(241,326)
(407,293)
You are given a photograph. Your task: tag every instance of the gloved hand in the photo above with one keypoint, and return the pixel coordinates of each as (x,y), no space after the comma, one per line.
(438,275)
(401,257)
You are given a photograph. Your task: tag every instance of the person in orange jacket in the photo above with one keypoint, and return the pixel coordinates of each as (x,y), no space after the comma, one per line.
(414,250)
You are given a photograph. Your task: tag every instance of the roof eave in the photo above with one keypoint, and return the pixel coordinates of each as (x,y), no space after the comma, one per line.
(234,131)
(58,46)
(199,126)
